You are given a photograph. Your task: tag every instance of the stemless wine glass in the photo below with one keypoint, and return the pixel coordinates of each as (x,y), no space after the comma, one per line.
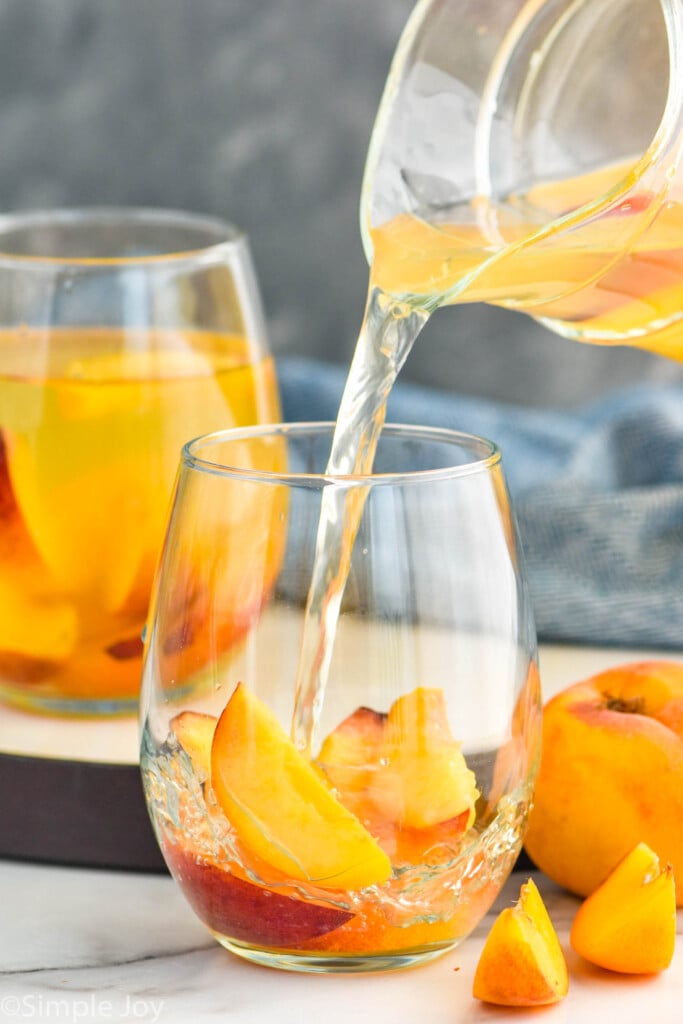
(123,333)
(381,839)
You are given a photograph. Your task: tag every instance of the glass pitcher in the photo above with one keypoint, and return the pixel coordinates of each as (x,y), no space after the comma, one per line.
(526,154)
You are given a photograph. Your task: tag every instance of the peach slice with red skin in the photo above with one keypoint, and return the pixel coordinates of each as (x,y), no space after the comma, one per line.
(611,775)
(281,808)
(403,773)
(629,923)
(354,747)
(522,963)
(350,756)
(243,911)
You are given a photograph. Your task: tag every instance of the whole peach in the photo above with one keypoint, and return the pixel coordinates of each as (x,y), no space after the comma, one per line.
(611,775)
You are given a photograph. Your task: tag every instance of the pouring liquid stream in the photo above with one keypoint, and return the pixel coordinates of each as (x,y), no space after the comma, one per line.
(612,277)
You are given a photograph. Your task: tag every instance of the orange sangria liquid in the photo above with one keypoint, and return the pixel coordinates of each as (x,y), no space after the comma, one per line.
(613,277)
(89,447)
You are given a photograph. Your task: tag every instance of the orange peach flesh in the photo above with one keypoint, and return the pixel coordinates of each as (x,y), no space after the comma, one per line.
(219,891)
(280,807)
(522,963)
(403,768)
(629,923)
(32,629)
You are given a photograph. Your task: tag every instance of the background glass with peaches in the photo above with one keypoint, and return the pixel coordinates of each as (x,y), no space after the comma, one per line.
(123,332)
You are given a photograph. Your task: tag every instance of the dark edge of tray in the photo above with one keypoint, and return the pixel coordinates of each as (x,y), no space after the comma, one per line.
(82,814)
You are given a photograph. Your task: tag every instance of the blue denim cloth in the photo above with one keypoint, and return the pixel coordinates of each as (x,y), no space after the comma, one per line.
(598,493)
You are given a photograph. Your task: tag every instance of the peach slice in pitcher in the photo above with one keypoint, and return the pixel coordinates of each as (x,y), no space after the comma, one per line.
(280,807)
(33,622)
(73,504)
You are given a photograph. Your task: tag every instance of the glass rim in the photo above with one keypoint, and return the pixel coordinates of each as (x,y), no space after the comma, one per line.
(221,235)
(488,456)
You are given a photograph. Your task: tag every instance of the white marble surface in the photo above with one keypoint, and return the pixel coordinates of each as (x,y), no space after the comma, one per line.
(95,946)
(80,945)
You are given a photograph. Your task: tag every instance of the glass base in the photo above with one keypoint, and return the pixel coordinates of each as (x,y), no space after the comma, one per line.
(76,707)
(335,963)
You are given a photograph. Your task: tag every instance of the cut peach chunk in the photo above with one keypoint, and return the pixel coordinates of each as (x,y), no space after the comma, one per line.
(404,767)
(194,732)
(352,752)
(356,741)
(426,779)
(33,622)
(354,760)
(403,775)
(77,510)
(282,810)
(93,483)
(628,924)
(522,963)
(33,626)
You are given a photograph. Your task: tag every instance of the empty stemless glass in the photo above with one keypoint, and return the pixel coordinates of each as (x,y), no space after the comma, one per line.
(123,333)
(383,840)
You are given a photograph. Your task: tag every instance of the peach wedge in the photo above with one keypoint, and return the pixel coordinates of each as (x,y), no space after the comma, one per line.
(426,780)
(194,732)
(405,765)
(245,912)
(352,751)
(629,923)
(522,963)
(282,810)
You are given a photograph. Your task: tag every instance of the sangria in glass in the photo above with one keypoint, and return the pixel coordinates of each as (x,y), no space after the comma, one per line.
(123,333)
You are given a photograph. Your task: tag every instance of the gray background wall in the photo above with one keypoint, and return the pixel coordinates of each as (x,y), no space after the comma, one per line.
(259,111)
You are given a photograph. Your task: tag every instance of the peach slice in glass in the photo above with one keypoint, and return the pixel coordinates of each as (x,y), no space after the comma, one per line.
(282,810)
(522,963)
(426,779)
(355,760)
(194,732)
(232,905)
(352,754)
(628,924)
